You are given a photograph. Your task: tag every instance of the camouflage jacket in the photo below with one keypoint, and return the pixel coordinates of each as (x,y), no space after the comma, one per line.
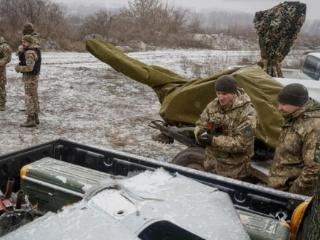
(30,57)
(36,40)
(36,43)
(233,129)
(296,163)
(5,53)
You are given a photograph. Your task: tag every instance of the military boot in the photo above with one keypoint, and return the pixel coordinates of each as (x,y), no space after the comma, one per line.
(36,118)
(30,122)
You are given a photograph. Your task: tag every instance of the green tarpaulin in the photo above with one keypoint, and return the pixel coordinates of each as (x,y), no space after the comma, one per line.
(182,100)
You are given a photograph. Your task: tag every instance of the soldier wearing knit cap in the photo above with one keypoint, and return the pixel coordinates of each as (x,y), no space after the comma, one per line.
(296,162)
(226,128)
(294,94)
(226,84)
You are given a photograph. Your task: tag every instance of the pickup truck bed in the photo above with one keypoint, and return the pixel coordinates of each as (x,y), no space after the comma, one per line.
(245,196)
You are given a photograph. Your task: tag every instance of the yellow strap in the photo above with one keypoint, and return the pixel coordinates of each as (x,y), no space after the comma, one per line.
(297,217)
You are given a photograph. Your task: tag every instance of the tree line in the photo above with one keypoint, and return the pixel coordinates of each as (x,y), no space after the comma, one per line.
(151,21)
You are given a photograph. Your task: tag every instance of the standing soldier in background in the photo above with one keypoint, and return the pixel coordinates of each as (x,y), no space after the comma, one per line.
(227,128)
(29,66)
(28,29)
(5,57)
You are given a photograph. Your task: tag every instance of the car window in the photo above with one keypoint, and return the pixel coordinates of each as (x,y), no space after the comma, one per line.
(311,67)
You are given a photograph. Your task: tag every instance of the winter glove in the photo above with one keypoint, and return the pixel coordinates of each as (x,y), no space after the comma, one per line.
(18,68)
(205,139)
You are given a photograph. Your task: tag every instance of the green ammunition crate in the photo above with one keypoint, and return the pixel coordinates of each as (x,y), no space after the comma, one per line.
(52,184)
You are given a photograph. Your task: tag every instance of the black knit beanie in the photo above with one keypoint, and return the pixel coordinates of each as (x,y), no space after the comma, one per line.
(294,94)
(227,84)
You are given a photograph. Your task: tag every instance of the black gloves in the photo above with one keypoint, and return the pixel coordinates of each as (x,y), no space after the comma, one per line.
(205,139)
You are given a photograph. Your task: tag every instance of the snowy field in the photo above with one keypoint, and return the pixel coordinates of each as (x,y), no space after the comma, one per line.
(84,100)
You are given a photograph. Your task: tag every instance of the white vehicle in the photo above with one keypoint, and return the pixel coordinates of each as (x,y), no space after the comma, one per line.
(308,76)
(310,69)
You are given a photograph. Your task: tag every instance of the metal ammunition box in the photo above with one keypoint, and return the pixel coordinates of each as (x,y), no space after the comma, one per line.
(52,184)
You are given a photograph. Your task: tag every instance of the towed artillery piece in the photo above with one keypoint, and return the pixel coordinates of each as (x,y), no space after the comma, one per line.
(183,100)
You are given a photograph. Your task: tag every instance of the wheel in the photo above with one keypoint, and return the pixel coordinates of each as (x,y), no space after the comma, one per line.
(191,157)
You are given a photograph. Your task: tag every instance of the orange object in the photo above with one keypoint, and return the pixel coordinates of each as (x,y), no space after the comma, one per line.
(24,170)
(297,217)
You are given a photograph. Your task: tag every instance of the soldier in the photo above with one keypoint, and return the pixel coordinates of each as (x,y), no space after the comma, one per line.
(227,128)
(28,29)
(5,57)
(296,163)
(29,66)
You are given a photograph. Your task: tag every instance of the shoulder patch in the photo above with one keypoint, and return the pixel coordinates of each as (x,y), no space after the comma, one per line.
(247,131)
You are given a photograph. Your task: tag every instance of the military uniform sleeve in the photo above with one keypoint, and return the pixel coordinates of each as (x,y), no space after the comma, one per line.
(243,136)
(202,123)
(6,56)
(31,58)
(311,159)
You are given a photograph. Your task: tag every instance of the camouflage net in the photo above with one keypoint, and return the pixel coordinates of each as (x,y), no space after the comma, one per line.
(277,29)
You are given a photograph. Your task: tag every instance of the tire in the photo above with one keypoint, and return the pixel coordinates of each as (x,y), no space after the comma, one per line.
(191,157)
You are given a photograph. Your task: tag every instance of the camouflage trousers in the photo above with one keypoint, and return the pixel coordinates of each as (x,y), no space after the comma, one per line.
(226,165)
(3,82)
(31,93)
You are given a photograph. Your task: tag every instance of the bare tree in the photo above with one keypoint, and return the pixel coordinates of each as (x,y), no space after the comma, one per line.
(153,21)
(17,12)
(47,17)
(100,23)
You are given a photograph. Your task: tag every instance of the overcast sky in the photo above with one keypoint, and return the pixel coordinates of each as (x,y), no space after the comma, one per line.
(249,6)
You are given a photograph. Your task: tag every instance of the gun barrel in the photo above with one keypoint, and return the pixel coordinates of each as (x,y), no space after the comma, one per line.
(175,132)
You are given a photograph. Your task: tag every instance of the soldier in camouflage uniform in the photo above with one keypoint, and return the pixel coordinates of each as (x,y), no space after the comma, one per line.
(29,66)
(28,29)
(5,57)
(227,128)
(296,163)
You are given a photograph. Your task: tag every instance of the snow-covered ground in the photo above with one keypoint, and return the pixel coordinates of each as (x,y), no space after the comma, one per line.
(85,100)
